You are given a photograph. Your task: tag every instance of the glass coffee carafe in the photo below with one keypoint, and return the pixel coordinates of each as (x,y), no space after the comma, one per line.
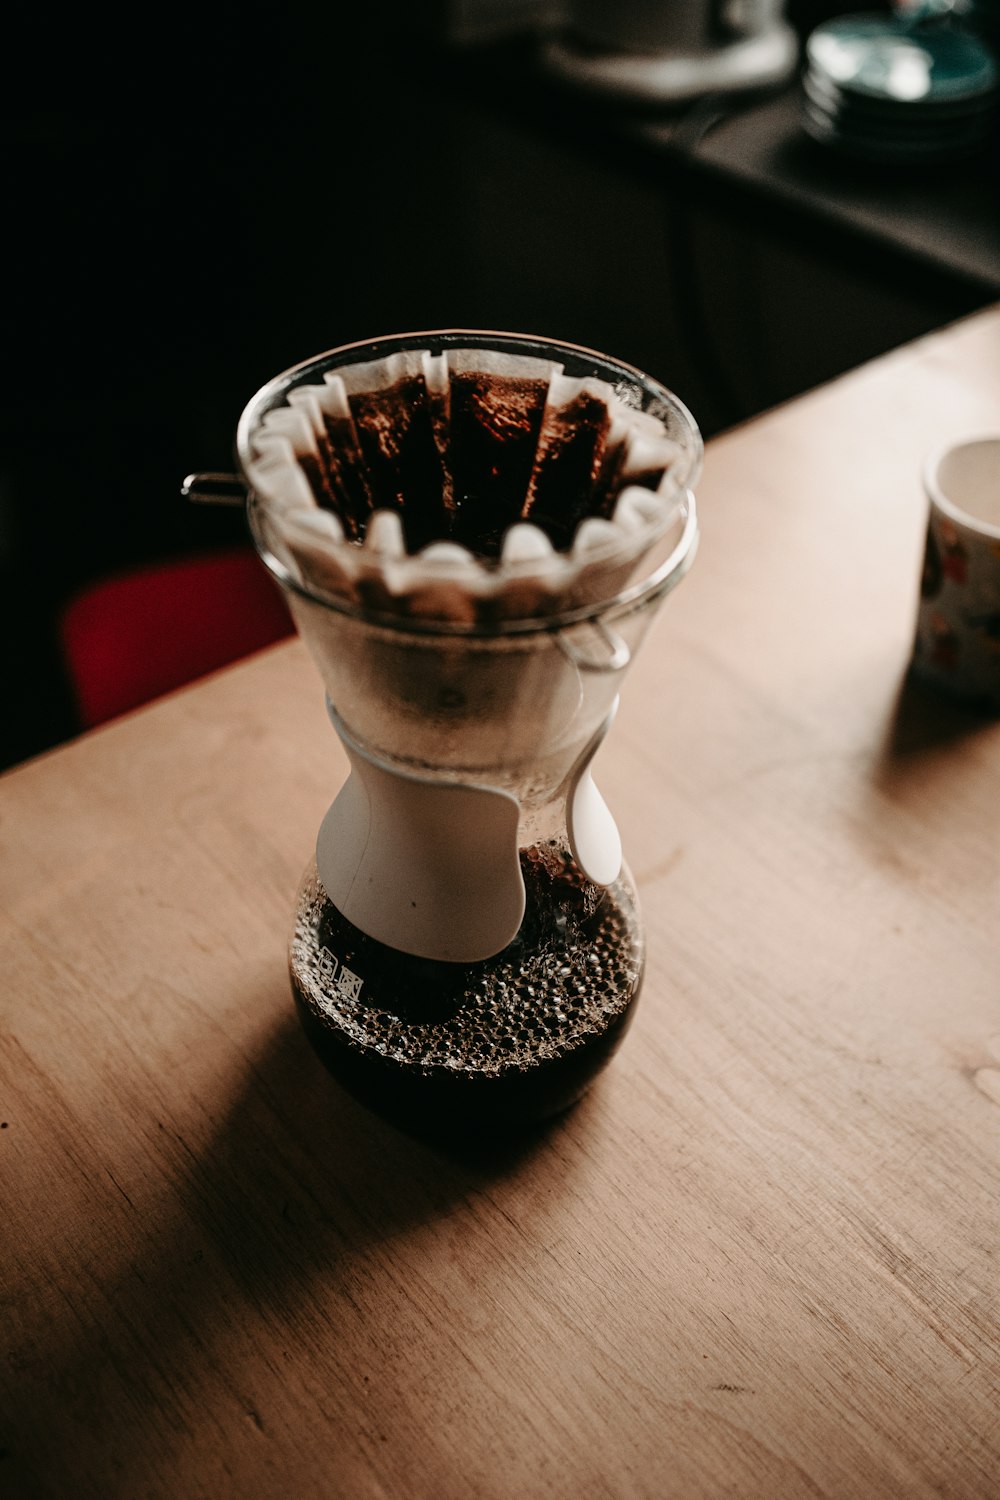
(467,946)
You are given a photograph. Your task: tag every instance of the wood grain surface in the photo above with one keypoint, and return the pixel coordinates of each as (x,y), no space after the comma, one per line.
(761,1258)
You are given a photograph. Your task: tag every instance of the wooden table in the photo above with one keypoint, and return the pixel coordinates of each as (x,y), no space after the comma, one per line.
(761,1258)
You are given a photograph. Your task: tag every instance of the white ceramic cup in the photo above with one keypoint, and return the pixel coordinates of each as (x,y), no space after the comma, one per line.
(957,644)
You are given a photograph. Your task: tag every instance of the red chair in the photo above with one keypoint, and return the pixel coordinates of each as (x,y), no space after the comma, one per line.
(138,634)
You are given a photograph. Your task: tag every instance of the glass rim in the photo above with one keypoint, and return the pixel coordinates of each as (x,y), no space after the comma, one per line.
(664,577)
(942,501)
(669,571)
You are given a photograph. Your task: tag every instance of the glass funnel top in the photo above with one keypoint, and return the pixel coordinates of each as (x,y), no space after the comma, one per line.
(467,478)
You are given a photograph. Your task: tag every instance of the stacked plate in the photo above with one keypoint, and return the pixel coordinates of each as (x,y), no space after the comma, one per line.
(885,88)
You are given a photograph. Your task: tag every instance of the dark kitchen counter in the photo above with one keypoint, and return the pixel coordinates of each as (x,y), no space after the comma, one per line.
(750,155)
(943,220)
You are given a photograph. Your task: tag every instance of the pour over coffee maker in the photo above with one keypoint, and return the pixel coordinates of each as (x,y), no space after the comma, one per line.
(473,532)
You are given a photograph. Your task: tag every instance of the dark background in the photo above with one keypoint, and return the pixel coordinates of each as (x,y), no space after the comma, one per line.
(198,200)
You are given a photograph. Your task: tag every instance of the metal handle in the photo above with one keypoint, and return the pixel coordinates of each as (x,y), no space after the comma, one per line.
(214,489)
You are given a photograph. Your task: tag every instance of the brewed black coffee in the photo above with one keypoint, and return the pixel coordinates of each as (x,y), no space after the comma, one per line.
(511,1039)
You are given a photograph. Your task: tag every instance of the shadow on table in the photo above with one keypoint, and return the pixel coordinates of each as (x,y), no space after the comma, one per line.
(300,1175)
(926,733)
(297,1243)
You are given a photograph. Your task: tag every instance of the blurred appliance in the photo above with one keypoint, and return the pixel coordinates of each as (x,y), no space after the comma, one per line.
(651,52)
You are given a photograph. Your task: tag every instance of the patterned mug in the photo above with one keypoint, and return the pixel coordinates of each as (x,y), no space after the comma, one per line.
(957,644)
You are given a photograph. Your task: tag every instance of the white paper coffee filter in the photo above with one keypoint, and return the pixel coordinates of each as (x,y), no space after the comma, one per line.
(358,462)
